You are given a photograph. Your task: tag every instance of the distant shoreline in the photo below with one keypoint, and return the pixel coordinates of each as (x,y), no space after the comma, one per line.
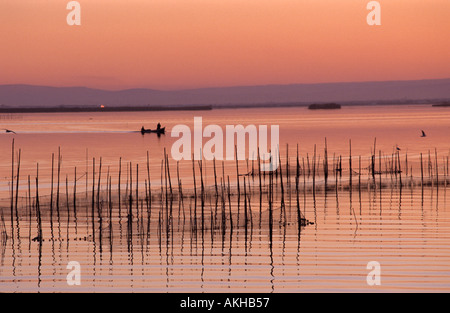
(88,109)
(105,109)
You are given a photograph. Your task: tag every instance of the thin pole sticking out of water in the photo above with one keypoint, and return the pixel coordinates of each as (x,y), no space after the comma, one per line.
(421,169)
(59,173)
(298,164)
(373,158)
(137,187)
(314,171)
(325,162)
(99,182)
(245,205)
(297,195)
(270,194)
(29,206)
(118,186)
(130,208)
(224,222)
(110,213)
(195,193)
(430,166)
(12,184)
(283,206)
(350,165)
(406,164)
(249,204)
(51,187)
(87,170)
(193,176)
(93,197)
(168,174)
(446,173)
(215,177)
(359,176)
(165,179)
(229,204)
(75,195)
(161,181)
(149,181)
(309,168)
(287,168)
(67,201)
(180,193)
(38,209)
(259,173)
(379,168)
(237,170)
(17,181)
(200,163)
(437,169)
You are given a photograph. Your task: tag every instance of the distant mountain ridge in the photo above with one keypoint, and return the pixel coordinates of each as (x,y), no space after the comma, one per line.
(44,96)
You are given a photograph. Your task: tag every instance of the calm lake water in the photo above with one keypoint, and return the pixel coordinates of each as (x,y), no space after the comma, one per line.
(405,229)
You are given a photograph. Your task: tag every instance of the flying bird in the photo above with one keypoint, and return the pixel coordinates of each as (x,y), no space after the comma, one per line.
(9,131)
(397,147)
(423,134)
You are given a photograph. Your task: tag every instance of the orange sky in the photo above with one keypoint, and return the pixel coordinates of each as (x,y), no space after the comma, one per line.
(170,44)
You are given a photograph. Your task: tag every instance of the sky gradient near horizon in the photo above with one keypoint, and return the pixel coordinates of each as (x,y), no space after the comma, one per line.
(176,44)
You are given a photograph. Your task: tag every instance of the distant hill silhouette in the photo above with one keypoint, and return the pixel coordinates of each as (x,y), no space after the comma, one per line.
(42,96)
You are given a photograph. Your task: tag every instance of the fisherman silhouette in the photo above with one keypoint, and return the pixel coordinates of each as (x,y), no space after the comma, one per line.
(158,127)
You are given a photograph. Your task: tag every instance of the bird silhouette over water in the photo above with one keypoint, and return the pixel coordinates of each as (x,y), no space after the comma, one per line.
(398,148)
(9,131)
(423,134)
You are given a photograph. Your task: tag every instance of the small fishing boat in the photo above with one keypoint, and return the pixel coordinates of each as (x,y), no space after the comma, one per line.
(153,131)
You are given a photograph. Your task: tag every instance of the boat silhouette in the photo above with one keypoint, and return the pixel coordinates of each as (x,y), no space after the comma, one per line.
(153,131)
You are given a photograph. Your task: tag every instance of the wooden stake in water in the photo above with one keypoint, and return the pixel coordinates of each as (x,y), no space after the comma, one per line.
(59,173)
(12,184)
(17,181)
(149,181)
(437,168)
(38,209)
(215,177)
(237,170)
(99,184)
(193,176)
(297,178)
(359,176)
(314,171)
(421,169)
(118,188)
(51,187)
(75,195)
(325,162)
(93,197)
(137,187)
(399,169)
(259,172)
(350,165)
